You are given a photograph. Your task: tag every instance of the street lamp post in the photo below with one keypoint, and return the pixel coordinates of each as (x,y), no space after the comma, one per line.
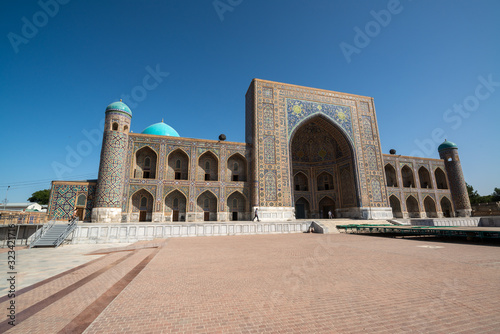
(5,203)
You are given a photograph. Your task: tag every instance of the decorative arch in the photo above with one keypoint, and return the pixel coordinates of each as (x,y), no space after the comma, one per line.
(446,207)
(81,205)
(396,206)
(145,163)
(114,126)
(142,202)
(324,181)
(301,182)
(317,140)
(207,204)
(390,175)
(178,165)
(175,205)
(270,186)
(430,207)
(408,178)
(425,178)
(208,167)
(376,191)
(269,150)
(326,205)
(237,168)
(236,205)
(371,158)
(440,179)
(412,207)
(302,208)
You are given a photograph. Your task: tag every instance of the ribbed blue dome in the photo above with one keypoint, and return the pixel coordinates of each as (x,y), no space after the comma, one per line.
(160,129)
(119,106)
(446,144)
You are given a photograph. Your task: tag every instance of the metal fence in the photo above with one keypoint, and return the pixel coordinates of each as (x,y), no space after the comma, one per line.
(23,218)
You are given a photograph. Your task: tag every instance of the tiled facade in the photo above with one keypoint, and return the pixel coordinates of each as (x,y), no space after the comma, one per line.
(427,185)
(307,152)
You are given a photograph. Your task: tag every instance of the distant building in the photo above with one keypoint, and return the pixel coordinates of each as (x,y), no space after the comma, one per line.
(307,151)
(34,207)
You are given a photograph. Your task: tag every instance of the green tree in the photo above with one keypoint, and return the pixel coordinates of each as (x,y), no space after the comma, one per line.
(473,195)
(40,197)
(496,195)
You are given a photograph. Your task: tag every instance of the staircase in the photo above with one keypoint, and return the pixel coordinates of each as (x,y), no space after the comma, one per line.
(53,235)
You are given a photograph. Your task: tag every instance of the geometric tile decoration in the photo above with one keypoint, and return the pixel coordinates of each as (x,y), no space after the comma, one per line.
(292,133)
(298,109)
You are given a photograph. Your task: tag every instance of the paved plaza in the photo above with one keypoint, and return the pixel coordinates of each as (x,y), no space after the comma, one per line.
(292,283)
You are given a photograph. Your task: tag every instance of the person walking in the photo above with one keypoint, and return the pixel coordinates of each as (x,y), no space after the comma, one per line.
(329,214)
(256,215)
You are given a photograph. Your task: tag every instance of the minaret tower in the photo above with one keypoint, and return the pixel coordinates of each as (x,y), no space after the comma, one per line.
(448,151)
(109,191)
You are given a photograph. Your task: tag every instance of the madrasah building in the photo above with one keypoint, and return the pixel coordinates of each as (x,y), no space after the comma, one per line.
(307,152)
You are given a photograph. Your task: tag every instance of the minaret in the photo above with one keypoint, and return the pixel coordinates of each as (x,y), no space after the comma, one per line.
(109,191)
(448,151)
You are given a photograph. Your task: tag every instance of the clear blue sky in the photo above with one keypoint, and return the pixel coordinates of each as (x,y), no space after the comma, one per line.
(420,61)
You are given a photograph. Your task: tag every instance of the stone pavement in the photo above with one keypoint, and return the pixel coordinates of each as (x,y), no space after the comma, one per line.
(294,283)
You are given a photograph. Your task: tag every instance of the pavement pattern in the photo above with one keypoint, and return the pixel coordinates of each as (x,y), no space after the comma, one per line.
(293,283)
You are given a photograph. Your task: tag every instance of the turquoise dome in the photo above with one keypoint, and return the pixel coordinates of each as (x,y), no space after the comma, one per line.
(160,129)
(446,145)
(119,106)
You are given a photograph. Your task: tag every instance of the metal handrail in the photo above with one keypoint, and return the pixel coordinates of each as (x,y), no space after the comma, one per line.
(38,234)
(69,229)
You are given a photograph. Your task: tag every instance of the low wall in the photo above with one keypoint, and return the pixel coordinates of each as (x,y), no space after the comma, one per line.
(469,221)
(458,221)
(92,233)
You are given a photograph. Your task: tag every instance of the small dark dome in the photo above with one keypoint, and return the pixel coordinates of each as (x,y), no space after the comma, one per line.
(222,137)
(392,151)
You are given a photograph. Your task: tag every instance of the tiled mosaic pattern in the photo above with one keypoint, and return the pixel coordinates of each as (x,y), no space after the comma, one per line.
(293,106)
(63,199)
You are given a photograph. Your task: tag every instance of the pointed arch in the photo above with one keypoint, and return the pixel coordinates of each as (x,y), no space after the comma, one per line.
(81,200)
(430,207)
(210,160)
(390,175)
(175,205)
(302,208)
(396,206)
(207,204)
(326,205)
(141,203)
(301,182)
(236,205)
(425,178)
(408,178)
(145,163)
(446,207)
(237,168)
(178,165)
(318,140)
(440,178)
(412,207)
(324,181)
